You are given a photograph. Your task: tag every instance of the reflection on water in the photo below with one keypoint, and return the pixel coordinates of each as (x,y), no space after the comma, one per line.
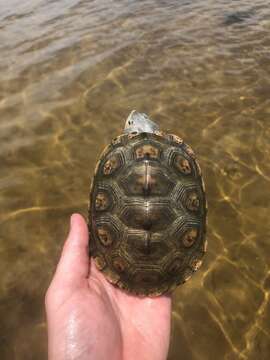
(70,72)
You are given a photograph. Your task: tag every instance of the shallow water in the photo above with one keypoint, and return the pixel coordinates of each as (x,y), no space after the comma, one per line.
(70,72)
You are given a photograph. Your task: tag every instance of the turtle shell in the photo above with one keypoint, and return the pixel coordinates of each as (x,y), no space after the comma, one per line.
(147,213)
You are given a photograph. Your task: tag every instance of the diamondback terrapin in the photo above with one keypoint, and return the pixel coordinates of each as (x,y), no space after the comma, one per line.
(147,211)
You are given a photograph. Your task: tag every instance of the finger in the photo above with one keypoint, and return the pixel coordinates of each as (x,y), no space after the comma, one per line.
(73,265)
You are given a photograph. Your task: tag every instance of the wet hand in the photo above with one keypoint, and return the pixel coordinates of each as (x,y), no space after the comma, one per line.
(88,318)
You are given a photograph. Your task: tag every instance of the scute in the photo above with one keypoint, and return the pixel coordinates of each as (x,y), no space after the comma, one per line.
(142,246)
(147,213)
(112,164)
(146,178)
(100,262)
(102,201)
(190,237)
(182,164)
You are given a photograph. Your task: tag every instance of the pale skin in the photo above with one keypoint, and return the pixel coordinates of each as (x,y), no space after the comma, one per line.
(88,318)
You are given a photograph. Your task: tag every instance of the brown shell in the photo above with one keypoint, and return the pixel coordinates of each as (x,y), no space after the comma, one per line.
(147,213)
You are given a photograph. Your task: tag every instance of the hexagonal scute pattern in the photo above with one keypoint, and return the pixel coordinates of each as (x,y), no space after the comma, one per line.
(144,246)
(151,215)
(147,213)
(189,197)
(146,178)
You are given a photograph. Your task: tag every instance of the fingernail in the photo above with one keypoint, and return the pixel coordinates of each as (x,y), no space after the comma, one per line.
(72,219)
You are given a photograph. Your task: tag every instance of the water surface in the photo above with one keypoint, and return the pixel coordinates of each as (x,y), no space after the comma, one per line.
(70,72)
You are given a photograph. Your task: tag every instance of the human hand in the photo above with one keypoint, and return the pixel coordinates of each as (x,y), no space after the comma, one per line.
(88,318)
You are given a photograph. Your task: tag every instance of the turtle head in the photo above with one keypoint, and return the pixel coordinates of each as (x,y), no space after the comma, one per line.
(139,122)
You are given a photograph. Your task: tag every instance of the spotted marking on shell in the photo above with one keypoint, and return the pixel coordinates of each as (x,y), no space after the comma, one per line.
(102,201)
(119,264)
(147,151)
(105,236)
(111,165)
(195,264)
(190,237)
(100,262)
(117,140)
(193,201)
(176,139)
(182,164)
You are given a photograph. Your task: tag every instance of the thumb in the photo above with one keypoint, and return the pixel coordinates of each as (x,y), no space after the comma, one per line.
(73,266)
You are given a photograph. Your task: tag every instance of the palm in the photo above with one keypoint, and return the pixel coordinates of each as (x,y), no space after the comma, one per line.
(98,318)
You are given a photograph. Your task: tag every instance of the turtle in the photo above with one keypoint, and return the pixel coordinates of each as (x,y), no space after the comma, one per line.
(147,210)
